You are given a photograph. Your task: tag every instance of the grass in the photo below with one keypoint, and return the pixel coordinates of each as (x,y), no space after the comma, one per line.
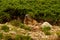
(5,28)
(47,33)
(46,30)
(22,37)
(1,35)
(25,27)
(8,38)
(17,23)
(58,33)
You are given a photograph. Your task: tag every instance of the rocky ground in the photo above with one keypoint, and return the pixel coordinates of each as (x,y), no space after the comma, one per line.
(36,31)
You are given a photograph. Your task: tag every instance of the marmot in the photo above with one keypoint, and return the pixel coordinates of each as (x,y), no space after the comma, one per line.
(29,20)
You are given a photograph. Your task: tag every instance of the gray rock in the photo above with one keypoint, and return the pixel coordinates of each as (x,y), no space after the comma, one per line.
(46,24)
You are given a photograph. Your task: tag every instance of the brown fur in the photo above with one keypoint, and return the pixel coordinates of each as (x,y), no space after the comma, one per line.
(29,20)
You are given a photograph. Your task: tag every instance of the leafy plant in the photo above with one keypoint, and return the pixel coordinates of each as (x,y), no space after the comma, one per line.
(5,28)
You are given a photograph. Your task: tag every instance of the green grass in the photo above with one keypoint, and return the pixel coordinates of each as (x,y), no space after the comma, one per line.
(39,9)
(15,22)
(5,28)
(1,36)
(47,33)
(46,30)
(25,27)
(7,37)
(21,37)
(58,33)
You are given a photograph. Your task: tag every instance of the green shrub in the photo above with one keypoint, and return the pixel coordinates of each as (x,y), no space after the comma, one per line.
(4,17)
(39,9)
(5,28)
(21,37)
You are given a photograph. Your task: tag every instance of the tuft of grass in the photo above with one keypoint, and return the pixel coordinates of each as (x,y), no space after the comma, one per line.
(22,37)
(25,27)
(7,37)
(15,22)
(46,30)
(19,24)
(5,28)
(1,35)
(47,33)
(58,33)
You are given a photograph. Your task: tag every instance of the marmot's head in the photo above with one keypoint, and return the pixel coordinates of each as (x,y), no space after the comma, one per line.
(27,15)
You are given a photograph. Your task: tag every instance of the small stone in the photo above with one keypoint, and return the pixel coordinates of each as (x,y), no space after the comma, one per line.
(46,24)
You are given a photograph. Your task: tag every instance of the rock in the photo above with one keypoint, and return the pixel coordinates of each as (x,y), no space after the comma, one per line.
(46,24)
